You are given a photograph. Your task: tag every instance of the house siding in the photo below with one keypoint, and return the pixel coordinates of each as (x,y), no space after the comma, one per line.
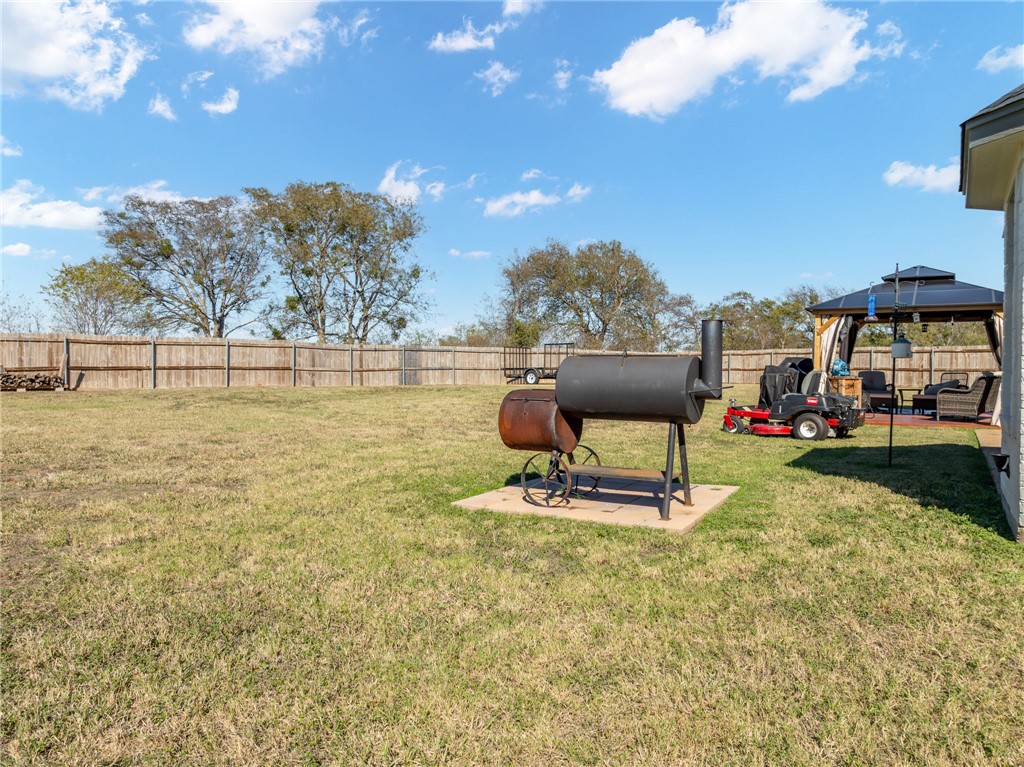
(1012,486)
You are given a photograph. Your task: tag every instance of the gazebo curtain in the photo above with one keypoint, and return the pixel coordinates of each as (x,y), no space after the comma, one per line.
(829,338)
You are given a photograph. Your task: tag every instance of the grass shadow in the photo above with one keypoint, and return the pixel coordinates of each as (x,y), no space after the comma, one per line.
(946,476)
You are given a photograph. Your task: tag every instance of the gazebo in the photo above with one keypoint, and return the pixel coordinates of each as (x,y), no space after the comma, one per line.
(934,295)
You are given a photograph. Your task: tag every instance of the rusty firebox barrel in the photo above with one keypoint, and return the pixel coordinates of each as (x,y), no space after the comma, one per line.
(628,387)
(529,419)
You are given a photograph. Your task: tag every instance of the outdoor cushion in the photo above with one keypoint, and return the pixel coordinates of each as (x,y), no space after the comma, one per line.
(935,388)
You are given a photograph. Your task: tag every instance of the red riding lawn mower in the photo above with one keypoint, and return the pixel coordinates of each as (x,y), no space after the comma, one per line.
(792,403)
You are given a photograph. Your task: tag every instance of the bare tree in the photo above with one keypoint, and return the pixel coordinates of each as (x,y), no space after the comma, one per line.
(21,315)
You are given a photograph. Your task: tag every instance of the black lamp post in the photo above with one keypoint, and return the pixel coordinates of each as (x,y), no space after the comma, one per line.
(900,350)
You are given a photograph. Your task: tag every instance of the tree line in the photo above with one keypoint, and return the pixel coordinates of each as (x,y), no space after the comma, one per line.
(325,262)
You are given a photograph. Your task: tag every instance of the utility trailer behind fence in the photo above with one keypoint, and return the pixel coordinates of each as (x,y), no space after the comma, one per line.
(517,362)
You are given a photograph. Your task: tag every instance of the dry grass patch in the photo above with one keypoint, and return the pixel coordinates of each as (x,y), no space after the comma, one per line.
(277,576)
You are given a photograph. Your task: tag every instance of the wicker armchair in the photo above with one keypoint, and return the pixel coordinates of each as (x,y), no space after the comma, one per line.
(960,378)
(964,403)
(988,405)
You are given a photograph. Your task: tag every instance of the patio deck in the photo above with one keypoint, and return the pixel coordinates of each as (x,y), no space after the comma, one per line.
(905,418)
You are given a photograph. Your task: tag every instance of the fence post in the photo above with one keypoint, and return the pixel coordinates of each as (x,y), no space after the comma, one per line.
(351,367)
(227,363)
(403,366)
(771,358)
(728,368)
(453,367)
(152,361)
(66,372)
(293,363)
(871,358)
(931,364)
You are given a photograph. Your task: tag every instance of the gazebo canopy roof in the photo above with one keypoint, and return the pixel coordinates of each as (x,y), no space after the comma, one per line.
(933,293)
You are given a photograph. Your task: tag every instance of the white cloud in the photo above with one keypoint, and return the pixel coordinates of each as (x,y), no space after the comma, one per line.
(998,59)
(517,203)
(532,173)
(18,207)
(927,179)
(227,104)
(144,20)
(79,54)
(436,189)
(812,47)
(7,149)
(469,38)
(402,187)
(280,35)
(161,107)
(578,192)
(563,74)
(352,31)
(520,7)
(497,77)
(24,250)
(16,249)
(472,254)
(194,77)
(152,190)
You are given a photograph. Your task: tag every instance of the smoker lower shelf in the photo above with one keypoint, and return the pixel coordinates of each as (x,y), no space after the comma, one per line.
(615,472)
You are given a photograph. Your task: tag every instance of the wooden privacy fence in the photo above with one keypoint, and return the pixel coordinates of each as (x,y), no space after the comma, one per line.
(125,362)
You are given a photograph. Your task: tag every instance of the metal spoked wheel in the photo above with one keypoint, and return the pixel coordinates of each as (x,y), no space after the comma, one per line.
(531,377)
(545,479)
(581,483)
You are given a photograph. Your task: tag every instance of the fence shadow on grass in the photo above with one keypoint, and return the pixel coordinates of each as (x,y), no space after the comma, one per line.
(951,477)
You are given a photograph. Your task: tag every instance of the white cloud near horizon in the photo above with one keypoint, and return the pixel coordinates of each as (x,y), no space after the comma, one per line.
(280,35)
(227,104)
(577,192)
(517,203)
(928,178)
(471,254)
(497,77)
(810,46)
(17,249)
(1000,58)
(19,207)
(9,149)
(152,190)
(24,250)
(161,107)
(404,187)
(78,54)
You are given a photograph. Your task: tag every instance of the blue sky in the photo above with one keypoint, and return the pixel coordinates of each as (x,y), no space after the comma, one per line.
(738,146)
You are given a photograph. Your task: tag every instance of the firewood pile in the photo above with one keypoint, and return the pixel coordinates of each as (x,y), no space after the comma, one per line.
(29,381)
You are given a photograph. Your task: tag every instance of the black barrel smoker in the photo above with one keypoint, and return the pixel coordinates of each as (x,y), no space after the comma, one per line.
(626,387)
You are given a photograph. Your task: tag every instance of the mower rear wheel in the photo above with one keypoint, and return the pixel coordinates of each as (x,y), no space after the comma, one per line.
(810,426)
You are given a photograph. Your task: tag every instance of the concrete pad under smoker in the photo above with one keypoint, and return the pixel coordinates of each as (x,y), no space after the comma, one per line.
(615,502)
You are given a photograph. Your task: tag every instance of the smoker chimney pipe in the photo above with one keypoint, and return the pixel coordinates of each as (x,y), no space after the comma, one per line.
(710,384)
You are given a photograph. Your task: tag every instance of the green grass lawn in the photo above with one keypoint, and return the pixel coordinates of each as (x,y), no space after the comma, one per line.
(278,577)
